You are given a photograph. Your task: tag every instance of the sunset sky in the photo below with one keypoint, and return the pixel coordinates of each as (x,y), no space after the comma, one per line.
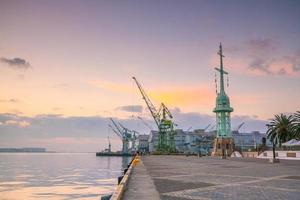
(65,66)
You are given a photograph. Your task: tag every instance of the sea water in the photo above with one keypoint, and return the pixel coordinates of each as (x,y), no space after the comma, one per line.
(58,175)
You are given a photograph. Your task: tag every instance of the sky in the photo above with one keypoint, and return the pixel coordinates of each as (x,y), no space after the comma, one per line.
(66,66)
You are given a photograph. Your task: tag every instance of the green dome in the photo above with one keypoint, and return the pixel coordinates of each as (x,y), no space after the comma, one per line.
(222,103)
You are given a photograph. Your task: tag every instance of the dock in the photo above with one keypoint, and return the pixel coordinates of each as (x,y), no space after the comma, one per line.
(119,154)
(205,178)
(140,177)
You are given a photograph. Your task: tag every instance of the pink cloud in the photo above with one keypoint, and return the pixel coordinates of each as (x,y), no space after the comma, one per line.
(259,58)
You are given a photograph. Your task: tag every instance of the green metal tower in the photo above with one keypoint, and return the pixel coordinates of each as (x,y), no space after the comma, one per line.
(224,143)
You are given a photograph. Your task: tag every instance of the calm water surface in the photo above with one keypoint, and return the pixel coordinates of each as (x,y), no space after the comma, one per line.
(58,175)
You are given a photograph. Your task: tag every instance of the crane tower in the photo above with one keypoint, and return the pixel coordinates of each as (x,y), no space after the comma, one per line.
(163,120)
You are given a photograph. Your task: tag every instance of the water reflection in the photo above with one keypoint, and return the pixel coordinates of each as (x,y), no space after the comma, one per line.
(58,176)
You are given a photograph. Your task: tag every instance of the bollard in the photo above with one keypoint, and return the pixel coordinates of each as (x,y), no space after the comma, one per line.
(120,179)
(106,197)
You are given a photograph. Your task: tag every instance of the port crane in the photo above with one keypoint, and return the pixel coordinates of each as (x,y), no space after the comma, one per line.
(109,146)
(133,136)
(145,123)
(126,135)
(240,126)
(207,127)
(123,134)
(163,120)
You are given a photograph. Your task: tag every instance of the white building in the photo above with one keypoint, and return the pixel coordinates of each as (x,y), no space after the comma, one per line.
(143,144)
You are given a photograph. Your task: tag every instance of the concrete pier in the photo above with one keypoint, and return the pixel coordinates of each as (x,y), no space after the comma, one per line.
(182,178)
(140,185)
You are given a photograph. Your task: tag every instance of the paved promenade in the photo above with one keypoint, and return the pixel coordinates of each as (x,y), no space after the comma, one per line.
(141,185)
(182,178)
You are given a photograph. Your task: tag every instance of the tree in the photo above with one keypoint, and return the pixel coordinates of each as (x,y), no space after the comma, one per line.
(296,118)
(280,129)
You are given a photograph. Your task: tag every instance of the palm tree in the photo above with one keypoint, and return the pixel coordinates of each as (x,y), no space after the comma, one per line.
(280,129)
(296,118)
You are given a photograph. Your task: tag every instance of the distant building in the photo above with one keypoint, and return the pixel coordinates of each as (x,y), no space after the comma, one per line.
(180,140)
(252,140)
(198,141)
(143,144)
(153,140)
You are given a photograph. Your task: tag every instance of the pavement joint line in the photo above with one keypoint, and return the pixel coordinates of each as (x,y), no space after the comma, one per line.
(203,198)
(231,179)
(199,174)
(275,188)
(190,197)
(288,179)
(223,185)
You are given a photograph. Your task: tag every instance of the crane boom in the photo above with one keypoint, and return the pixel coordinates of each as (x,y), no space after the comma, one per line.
(212,127)
(145,123)
(123,127)
(149,104)
(163,120)
(165,111)
(240,126)
(115,124)
(207,127)
(116,132)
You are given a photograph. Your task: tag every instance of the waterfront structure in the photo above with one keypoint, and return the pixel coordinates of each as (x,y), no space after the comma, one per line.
(143,144)
(153,140)
(250,141)
(224,143)
(123,134)
(195,142)
(163,120)
(128,137)
(108,150)
(201,142)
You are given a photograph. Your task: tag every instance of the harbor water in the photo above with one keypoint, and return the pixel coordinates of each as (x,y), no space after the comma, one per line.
(58,175)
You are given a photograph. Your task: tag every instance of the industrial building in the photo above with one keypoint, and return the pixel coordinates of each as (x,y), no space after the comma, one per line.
(252,140)
(200,141)
(143,144)
(196,141)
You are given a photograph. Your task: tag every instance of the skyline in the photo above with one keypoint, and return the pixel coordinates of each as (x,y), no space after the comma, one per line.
(71,62)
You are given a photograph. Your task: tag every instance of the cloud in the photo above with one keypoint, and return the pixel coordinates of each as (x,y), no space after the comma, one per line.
(16,63)
(252,123)
(259,64)
(90,133)
(261,45)
(9,100)
(131,108)
(11,122)
(262,57)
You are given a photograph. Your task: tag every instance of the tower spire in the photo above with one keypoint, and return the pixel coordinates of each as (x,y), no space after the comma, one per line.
(224,142)
(221,70)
